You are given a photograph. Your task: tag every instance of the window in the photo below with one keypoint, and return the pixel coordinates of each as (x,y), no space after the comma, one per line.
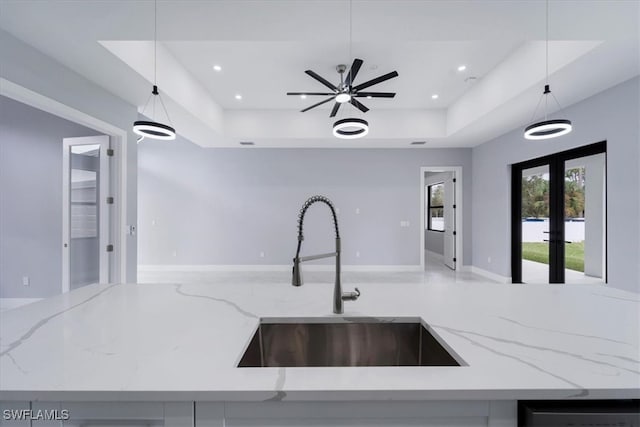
(435,211)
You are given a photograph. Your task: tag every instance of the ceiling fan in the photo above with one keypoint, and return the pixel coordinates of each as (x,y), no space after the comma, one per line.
(345,91)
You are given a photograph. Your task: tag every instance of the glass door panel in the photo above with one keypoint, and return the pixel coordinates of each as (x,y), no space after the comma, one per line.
(535,224)
(584,219)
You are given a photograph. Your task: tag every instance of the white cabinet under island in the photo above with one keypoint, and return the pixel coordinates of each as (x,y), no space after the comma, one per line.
(163,354)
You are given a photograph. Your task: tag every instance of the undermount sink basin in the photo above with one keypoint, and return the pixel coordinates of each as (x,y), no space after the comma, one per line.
(345,341)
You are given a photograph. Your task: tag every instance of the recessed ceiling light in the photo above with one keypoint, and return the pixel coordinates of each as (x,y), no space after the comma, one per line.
(217,68)
(434,96)
(238,97)
(247,143)
(369,97)
(303,96)
(462,67)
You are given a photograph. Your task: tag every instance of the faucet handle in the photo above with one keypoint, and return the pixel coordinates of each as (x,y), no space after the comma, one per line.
(351,296)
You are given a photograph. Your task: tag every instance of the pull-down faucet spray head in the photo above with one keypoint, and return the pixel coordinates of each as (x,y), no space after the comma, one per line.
(296,277)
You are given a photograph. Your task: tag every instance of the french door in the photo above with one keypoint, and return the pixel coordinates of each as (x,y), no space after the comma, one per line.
(559,217)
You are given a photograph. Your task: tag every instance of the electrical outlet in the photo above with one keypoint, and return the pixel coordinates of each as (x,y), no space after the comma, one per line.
(153,222)
(357,211)
(357,254)
(404,223)
(175,253)
(25,281)
(489,260)
(261,254)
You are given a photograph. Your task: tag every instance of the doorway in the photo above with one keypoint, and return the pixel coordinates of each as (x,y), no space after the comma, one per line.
(123,238)
(559,217)
(441,217)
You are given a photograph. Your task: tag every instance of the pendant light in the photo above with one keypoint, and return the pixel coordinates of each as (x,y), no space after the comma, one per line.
(350,128)
(547,128)
(151,128)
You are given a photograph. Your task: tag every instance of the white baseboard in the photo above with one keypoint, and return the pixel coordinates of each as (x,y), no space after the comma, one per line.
(281,267)
(9,303)
(488,274)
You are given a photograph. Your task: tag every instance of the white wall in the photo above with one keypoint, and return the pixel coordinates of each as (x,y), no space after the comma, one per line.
(611,115)
(31,69)
(224,206)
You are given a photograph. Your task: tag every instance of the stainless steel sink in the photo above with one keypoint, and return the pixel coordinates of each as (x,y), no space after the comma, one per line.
(345,342)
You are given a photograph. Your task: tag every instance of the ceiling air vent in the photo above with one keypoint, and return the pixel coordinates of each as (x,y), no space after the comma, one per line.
(418,142)
(247,143)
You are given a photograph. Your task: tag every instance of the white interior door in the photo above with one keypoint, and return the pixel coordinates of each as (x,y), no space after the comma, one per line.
(85,212)
(450,221)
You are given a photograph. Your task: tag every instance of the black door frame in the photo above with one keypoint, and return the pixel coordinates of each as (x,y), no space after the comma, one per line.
(556,164)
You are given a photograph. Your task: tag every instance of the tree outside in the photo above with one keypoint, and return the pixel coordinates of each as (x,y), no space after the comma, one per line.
(535,204)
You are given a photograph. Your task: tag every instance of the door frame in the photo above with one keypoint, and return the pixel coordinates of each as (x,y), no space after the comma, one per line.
(459,250)
(119,168)
(556,162)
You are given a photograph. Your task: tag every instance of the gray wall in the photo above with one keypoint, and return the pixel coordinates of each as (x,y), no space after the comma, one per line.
(225,206)
(31,199)
(611,115)
(33,70)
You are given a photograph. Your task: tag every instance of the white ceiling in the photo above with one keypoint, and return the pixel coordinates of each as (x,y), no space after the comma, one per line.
(264,46)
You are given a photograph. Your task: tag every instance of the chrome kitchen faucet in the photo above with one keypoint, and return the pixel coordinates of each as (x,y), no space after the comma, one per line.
(296,280)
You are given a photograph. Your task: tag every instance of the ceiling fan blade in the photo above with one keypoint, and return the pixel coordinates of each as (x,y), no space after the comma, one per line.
(322,80)
(315,105)
(376,81)
(353,72)
(358,105)
(375,94)
(334,111)
(311,93)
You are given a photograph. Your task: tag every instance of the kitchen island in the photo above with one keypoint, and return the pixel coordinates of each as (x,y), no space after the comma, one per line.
(177,347)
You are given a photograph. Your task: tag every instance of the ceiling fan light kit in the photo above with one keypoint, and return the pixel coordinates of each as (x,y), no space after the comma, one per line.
(153,129)
(547,128)
(343,97)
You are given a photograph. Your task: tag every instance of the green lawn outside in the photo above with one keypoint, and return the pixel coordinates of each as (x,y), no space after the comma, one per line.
(539,252)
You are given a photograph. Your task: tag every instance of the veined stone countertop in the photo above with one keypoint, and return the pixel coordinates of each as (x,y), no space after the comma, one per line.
(183,342)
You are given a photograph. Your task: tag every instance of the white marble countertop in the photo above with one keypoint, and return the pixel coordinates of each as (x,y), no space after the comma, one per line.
(183,342)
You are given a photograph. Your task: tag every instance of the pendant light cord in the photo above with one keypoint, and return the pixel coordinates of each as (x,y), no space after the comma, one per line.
(155,51)
(350,30)
(547,44)
(546,98)
(545,94)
